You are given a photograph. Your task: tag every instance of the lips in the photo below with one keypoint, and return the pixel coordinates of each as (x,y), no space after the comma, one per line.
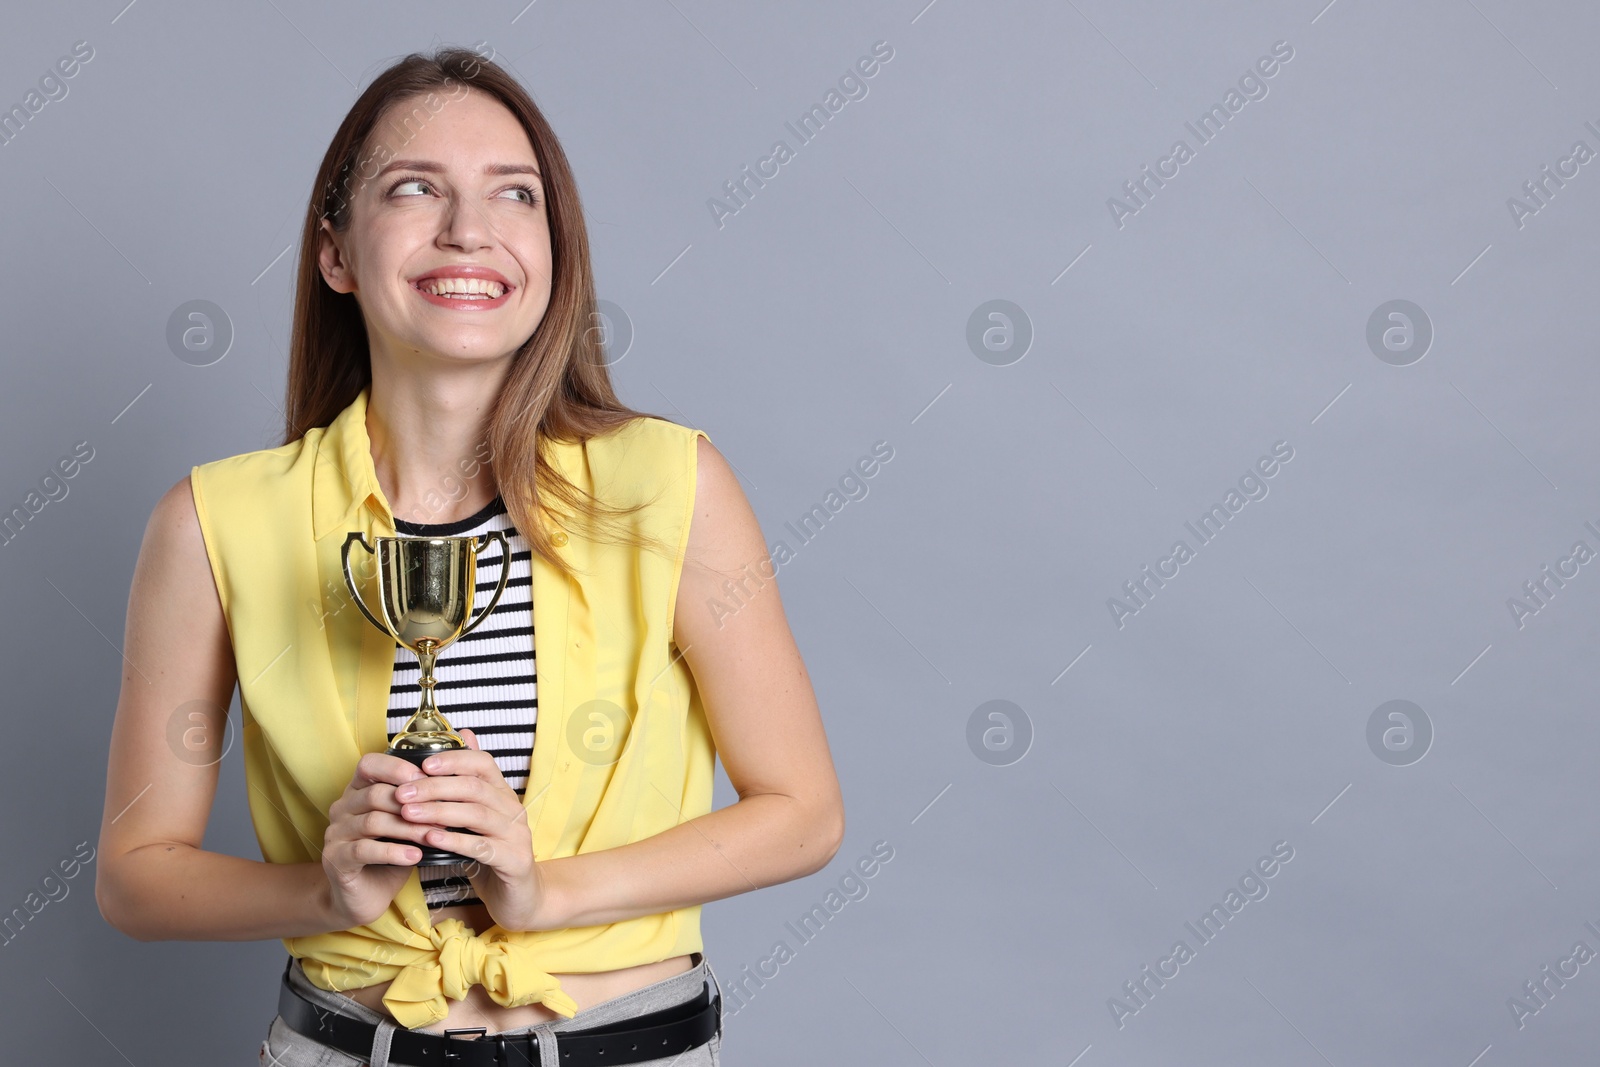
(464,270)
(464,287)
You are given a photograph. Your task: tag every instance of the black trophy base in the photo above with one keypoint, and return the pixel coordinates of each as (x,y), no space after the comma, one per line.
(431,856)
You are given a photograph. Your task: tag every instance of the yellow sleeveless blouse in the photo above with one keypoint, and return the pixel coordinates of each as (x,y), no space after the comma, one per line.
(314,681)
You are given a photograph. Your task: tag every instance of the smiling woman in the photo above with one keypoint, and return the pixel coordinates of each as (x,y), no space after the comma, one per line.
(442,315)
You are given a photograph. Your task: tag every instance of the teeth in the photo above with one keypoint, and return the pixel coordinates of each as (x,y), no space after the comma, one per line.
(462,287)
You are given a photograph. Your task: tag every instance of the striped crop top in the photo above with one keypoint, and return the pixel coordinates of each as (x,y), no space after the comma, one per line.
(484,681)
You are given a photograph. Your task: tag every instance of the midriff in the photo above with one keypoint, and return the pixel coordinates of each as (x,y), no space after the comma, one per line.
(479,1009)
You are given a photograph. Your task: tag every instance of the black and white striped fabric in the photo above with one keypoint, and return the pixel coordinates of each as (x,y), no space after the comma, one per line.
(484,681)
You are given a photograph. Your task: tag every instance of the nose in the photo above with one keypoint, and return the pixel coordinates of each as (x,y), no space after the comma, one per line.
(466,227)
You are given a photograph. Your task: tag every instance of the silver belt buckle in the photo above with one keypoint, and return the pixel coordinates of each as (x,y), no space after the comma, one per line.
(450,1053)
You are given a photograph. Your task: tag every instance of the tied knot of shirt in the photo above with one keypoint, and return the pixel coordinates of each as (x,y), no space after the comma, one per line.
(462,959)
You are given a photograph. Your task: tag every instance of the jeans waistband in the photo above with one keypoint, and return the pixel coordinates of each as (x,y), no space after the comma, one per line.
(675,989)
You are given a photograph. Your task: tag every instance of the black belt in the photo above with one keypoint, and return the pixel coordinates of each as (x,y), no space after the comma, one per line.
(658,1034)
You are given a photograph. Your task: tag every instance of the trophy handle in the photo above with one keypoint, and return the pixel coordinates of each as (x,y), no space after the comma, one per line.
(355,537)
(480,543)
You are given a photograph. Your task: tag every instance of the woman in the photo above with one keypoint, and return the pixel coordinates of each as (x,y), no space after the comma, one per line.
(441,342)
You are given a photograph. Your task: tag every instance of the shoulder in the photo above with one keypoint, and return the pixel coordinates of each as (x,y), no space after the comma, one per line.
(238,500)
(174,519)
(173,553)
(716,487)
(688,455)
(185,518)
(177,519)
(253,476)
(679,469)
(724,542)
(649,433)
(261,461)
(641,456)
(724,532)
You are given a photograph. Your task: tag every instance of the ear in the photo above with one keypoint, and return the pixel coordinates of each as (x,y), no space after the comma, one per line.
(331,260)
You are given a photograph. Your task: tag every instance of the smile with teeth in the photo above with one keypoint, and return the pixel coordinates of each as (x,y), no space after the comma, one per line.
(462,288)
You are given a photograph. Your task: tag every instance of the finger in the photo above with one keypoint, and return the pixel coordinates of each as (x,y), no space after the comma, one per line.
(463,761)
(347,861)
(459,788)
(376,824)
(443,813)
(365,853)
(472,740)
(474,846)
(378,797)
(380,767)
(446,787)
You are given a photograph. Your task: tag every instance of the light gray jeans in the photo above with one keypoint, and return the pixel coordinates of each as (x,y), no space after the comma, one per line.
(286,1048)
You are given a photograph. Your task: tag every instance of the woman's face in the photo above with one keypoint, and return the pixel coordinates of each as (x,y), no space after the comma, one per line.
(464,191)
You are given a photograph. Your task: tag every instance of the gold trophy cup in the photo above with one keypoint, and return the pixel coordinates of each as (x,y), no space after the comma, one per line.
(426,587)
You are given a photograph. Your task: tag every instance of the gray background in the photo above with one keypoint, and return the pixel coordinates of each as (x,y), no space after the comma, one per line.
(1162,757)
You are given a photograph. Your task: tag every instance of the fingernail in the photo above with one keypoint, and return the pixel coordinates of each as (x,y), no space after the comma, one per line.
(406,792)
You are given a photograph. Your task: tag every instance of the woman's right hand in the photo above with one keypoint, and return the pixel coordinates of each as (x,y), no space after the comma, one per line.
(363,872)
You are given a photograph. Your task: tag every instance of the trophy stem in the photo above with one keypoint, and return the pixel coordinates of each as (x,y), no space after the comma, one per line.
(427,730)
(425,733)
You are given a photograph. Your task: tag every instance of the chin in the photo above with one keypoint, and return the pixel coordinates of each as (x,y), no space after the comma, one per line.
(467,345)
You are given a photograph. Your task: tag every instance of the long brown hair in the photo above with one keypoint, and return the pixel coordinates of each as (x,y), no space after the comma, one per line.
(557,387)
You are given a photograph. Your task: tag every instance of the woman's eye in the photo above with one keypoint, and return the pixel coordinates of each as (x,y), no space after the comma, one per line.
(528,195)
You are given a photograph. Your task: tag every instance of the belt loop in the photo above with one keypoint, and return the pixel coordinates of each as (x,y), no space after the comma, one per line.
(382,1036)
(718,985)
(548,1056)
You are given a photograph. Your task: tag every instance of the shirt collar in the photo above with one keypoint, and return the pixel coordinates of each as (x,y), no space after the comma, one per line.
(344,476)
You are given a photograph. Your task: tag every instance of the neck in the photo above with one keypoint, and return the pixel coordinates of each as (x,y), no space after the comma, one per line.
(428,445)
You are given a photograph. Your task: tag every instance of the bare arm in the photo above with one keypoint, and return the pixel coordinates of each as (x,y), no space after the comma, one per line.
(152,879)
(789,819)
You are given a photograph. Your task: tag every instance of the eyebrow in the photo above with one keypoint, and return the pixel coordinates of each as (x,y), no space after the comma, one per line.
(430,167)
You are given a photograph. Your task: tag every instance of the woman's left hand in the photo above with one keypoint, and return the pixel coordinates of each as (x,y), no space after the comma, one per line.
(465,788)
